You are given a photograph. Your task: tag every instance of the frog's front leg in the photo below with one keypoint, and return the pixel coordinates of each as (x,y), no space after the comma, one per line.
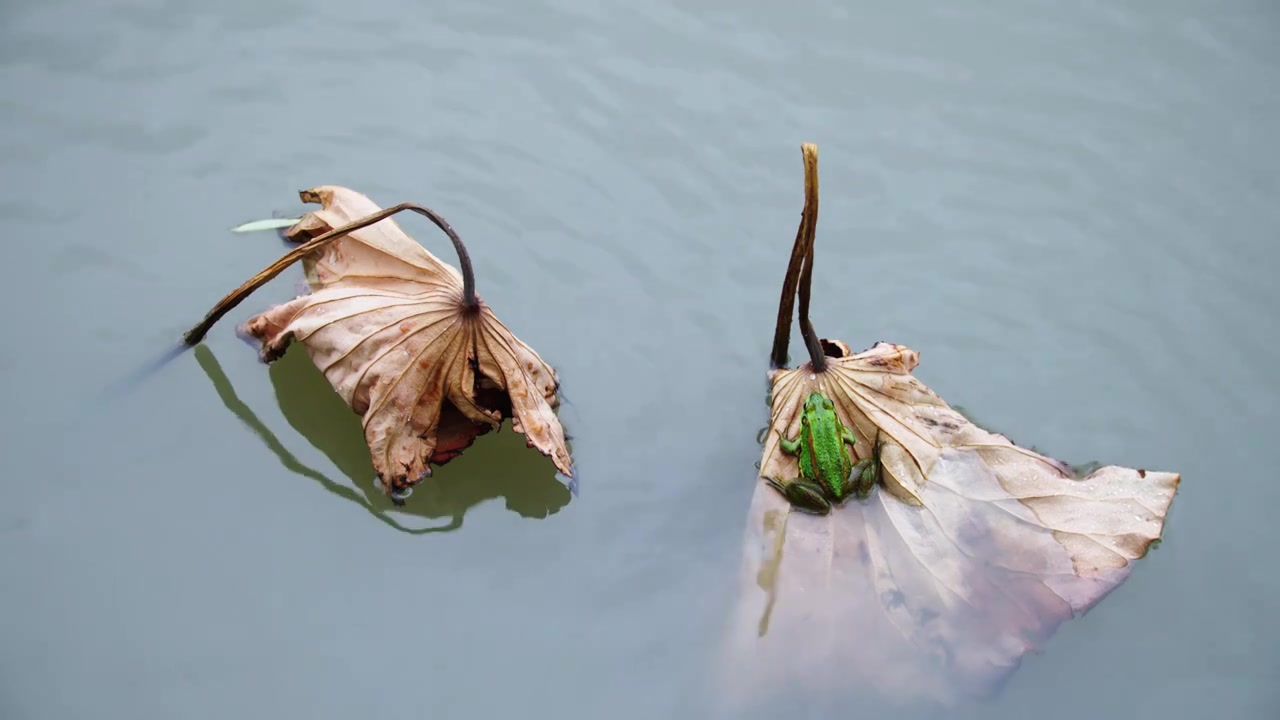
(847,435)
(790,447)
(804,496)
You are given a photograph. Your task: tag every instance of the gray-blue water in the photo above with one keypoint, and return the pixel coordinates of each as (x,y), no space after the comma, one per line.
(1069,209)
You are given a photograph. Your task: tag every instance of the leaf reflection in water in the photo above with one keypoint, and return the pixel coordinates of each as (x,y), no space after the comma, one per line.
(505,470)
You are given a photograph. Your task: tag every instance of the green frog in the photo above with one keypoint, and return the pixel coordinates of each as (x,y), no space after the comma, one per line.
(827,472)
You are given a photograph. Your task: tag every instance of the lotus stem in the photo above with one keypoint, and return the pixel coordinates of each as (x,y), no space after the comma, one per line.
(800,274)
(235,297)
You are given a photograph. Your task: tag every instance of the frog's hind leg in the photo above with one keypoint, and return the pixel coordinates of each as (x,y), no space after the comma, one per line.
(866,472)
(862,477)
(776,485)
(807,497)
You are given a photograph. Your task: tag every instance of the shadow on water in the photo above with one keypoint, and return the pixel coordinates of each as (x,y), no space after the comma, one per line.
(497,466)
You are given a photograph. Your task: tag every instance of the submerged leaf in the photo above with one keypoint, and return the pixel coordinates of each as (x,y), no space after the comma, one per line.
(968,557)
(392,330)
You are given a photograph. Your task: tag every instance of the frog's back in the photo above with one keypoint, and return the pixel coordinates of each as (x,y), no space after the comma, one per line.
(830,455)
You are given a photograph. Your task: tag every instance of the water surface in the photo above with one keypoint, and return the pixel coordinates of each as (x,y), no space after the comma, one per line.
(1069,209)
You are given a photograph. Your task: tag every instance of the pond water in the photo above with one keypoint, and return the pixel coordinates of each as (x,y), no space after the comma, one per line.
(1069,209)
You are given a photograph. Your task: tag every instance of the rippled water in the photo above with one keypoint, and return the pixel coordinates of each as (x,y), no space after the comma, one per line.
(1069,209)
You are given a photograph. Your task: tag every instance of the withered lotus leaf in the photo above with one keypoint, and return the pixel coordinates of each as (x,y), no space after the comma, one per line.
(968,555)
(405,341)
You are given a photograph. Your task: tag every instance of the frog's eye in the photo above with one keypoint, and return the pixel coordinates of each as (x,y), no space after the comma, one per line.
(827,404)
